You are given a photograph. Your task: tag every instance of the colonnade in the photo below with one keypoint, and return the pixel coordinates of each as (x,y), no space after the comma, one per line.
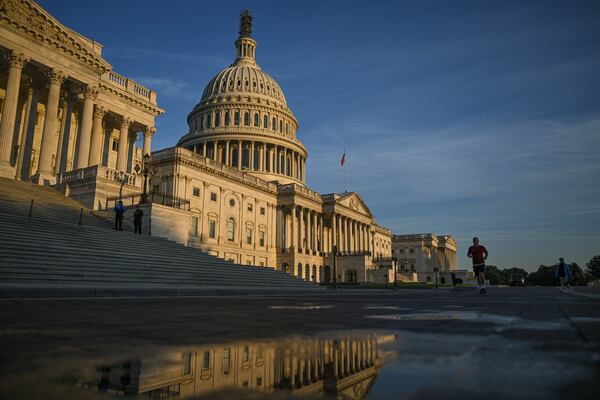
(254,156)
(246,118)
(313,231)
(303,365)
(63,96)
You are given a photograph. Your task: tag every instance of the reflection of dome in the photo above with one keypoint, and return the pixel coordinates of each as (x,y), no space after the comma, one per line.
(242,107)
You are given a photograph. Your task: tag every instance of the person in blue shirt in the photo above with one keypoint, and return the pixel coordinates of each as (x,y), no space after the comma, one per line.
(563,272)
(119,211)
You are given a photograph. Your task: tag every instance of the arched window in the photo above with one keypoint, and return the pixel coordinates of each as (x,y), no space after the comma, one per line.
(287,128)
(230,229)
(274,125)
(202,122)
(266,121)
(236,118)
(227,119)
(280,126)
(256,119)
(299,271)
(307,272)
(247,118)
(208,121)
(218,119)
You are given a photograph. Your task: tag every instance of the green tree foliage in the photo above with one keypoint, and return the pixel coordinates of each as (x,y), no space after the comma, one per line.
(544,276)
(494,275)
(593,267)
(579,277)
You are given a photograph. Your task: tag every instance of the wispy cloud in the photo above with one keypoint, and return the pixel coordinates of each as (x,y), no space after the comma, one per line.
(165,86)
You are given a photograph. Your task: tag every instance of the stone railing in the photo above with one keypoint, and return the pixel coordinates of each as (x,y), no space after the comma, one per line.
(98,171)
(295,188)
(198,158)
(129,86)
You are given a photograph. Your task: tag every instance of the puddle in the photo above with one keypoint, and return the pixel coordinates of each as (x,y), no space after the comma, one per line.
(337,365)
(301,307)
(502,322)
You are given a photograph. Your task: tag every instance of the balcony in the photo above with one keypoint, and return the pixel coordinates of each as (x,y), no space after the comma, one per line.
(133,88)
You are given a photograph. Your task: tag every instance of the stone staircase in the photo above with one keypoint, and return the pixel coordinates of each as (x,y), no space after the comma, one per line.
(49,254)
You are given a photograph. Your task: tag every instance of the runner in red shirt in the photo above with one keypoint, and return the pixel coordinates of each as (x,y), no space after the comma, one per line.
(479,254)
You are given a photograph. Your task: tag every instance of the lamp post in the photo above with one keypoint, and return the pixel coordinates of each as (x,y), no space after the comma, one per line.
(395,267)
(146,171)
(334,267)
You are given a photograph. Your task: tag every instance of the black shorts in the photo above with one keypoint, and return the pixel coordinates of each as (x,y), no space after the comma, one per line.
(477,269)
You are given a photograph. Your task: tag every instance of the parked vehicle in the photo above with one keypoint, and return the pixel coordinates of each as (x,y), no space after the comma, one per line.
(516,280)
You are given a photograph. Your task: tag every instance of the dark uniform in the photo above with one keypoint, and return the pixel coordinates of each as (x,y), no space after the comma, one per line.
(137,220)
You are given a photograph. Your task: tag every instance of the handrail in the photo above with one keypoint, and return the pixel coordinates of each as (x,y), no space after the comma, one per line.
(156,198)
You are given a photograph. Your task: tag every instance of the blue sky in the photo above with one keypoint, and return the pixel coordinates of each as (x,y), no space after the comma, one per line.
(464,117)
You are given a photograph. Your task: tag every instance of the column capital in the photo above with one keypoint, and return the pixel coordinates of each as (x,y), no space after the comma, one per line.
(56,77)
(149,131)
(90,92)
(17,60)
(99,111)
(125,122)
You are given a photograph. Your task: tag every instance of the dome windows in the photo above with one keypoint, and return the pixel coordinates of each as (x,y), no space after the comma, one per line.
(202,122)
(208,121)
(274,125)
(247,118)
(236,118)
(218,119)
(266,122)
(227,118)
(256,120)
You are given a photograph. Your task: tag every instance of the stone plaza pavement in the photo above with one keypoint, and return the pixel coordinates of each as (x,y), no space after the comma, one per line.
(450,343)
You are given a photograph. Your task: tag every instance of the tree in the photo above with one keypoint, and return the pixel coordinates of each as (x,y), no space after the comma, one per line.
(579,277)
(494,275)
(544,276)
(593,267)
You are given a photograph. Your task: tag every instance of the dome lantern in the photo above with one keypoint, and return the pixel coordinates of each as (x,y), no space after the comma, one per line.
(245,45)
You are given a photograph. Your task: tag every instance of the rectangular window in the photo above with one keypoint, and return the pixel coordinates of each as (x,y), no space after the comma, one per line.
(196,192)
(115,145)
(230,230)
(250,208)
(206,360)
(261,238)
(212,229)
(262,211)
(226,360)
(186,359)
(213,196)
(245,354)
(248,235)
(194,230)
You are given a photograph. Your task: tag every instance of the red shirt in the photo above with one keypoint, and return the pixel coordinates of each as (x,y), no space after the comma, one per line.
(478,253)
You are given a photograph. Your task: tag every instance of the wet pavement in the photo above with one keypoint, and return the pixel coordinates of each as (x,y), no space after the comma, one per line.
(349,344)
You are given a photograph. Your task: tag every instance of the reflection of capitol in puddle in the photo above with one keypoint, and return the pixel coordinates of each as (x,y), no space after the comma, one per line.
(345,365)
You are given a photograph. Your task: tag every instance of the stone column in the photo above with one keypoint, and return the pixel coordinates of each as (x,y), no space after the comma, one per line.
(215,151)
(239,153)
(314,231)
(294,227)
(285,164)
(301,226)
(97,136)
(333,240)
(204,149)
(227,152)
(308,231)
(16,62)
(251,157)
(148,133)
(322,232)
(64,109)
(123,144)
(48,145)
(85,129)
(28,83)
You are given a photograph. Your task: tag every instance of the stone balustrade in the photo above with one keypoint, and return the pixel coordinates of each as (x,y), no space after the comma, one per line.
(129,86)
(99,171)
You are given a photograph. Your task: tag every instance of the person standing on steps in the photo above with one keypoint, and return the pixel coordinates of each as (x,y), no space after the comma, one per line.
(563,272)
(137,219)
(478,253)
(119,211)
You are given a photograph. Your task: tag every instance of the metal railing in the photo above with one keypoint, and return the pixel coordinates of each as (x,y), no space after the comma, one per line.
(155,198)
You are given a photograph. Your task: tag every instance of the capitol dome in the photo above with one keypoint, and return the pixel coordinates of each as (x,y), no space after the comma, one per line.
(243,121)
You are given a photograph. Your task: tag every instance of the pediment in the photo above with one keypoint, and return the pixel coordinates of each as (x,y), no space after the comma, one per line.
(355,202)
(28,19)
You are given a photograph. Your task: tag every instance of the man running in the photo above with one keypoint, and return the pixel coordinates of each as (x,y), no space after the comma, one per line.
(563,272)
(478,254)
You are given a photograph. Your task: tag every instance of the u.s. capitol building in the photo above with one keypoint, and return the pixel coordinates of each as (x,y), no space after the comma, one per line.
(234,185)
